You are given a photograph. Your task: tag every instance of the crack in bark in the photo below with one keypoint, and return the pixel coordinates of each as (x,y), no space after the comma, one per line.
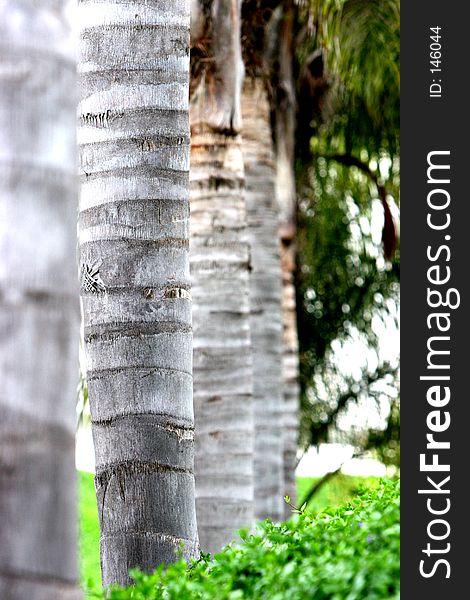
(176,176)
(161,243)
(148,144)
(159,290)
(94,374)
(143,209)
(145,142)
(129,468)
(122,470)
(164,536)
(116,331)
(183,430)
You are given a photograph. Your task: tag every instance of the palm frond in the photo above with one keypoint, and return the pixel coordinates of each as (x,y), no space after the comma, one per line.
(360,40)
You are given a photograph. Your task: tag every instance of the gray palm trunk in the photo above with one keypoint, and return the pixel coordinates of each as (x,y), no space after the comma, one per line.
(290,376)
(284,135)
(220,280)
(222,344)
(265,300)
(133,231)
(38,303)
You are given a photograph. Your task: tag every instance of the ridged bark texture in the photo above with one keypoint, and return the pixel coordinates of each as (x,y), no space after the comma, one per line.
(290,375)
(265,301)
(38,303)
(223,393)
(222,346)
(133,229)
(286,196)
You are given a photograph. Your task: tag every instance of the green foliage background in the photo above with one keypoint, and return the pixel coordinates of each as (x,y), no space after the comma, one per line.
(350,149)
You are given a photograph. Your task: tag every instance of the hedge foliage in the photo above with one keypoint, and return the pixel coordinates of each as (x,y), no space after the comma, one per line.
(346,553)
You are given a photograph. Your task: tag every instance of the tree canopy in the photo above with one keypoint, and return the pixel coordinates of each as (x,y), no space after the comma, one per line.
(348,86)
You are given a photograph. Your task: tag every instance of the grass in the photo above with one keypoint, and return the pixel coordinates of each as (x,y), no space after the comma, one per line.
(335,492)
(90,574)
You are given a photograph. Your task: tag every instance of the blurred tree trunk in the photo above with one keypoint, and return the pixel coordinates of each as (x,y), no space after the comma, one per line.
(220,279)
(38,303)
(284,135)
(290,372)
(134,215)
(265,299)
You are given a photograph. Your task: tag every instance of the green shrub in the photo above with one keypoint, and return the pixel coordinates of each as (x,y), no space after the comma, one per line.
(335,492)
(347,553)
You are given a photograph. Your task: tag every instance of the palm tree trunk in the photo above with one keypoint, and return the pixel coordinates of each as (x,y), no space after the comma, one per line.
(220,278)
(38,306)
(265,292)
(222,343)
(290,373)
(134,210)
(286,196)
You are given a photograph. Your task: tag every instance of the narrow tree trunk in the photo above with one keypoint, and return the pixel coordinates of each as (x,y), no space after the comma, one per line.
(265,299)
(38,305)
(222,344)
(290,373)
(286,196)
(220,279)
(134,143)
